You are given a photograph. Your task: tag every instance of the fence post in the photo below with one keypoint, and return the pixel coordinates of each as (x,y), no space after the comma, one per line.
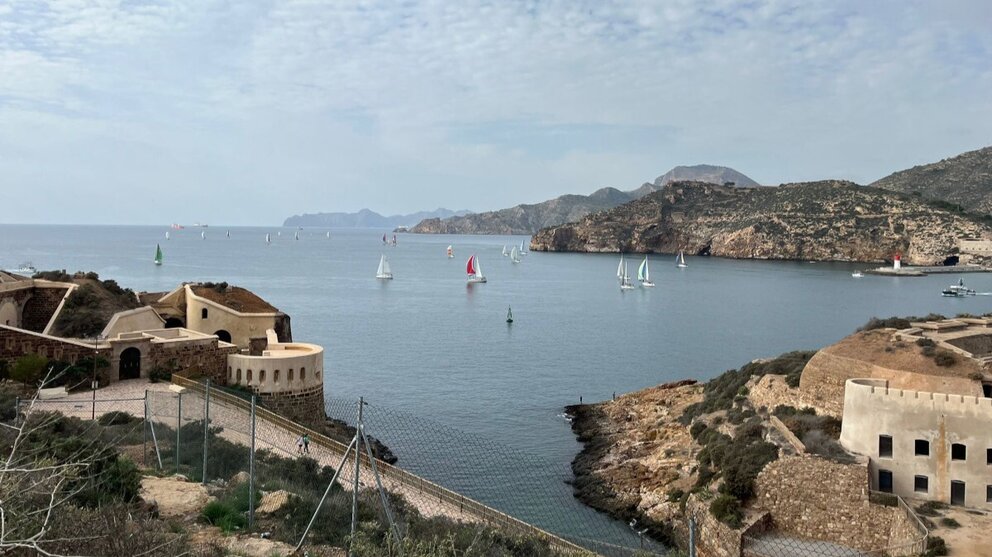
(354,494)
(692,536)
(179,427)
(144,434)
(206,429)
(251,470)
(17,410)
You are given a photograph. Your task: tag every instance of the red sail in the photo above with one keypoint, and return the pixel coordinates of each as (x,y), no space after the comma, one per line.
(470,268)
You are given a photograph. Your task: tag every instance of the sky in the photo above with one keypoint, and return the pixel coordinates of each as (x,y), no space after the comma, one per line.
(244,112)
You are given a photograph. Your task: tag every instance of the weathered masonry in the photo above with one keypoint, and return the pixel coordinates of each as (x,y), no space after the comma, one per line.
(933,446)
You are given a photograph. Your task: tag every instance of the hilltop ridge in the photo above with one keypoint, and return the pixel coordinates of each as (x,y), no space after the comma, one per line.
(964,180)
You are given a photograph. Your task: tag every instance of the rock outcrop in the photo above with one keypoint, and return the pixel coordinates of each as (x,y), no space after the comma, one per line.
(816,221)
(964,181)
(526,219)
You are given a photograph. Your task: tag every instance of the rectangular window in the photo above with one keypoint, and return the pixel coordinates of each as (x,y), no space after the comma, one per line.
(921,484)
(959,451)
(957,492)
(988,457)
(988,494)
(885,481)
(922,447)
(885,446)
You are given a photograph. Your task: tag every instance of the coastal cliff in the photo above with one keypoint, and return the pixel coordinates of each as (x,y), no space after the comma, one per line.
(963,182)
(816,221)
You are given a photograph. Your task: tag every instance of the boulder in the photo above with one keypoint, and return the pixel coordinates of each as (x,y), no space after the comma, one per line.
(174,496)
(272,502)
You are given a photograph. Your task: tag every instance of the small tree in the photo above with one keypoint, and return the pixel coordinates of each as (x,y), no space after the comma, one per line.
(29,369)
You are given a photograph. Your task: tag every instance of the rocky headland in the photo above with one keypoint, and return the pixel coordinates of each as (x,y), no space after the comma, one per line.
(963,182)
(528,218)
(815,221)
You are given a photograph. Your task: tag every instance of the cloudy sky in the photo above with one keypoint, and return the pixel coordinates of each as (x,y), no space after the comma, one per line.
(245,112)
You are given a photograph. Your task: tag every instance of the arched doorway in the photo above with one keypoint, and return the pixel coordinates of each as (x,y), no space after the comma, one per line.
(223,335)
(130,367)
(173,322)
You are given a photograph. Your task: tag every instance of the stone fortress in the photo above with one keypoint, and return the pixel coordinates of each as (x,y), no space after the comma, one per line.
(224,333)
(925,424)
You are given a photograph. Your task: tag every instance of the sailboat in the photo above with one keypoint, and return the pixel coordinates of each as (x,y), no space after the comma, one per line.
(624,276)
(384,240)
(644,275)
(620,269)
(451,252)
(680,260)
(523,251)
(203,234)
(228,233)
(158,254)
(394,239)
(296,235)
(328,233)
(474,271)
(515,255)
(384,271)
(509,315)
(268,239)
(505,253)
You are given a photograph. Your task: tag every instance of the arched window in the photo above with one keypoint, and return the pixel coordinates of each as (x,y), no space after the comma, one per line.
(203,313)
(249,376)
(261,376)
(289,375)
(239,375)
(230,374)
(275,376)
(303,374)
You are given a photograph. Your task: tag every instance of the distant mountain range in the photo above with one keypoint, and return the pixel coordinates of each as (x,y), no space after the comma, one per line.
(367,219)
(964,180)
(527,219)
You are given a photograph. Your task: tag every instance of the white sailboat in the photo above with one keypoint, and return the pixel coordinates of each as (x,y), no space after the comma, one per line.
(505,253)
(268,239)
(328,233)
(228,233)
(384,271)
(451,252)
(523,250)
(620,269)
(514,255)
(680,260)
(625,279)
(644,274)
(474,271)
(203,234)
(166,234)
(296,235)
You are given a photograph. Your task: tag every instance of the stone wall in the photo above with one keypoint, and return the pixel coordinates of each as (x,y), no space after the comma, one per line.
(714,538)
(304,406)
(15,343)
(40,307)
(977,345)
(193,359)
(771,391)
(814,498)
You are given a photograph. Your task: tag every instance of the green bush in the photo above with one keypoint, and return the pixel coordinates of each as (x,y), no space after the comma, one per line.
(888,323)
(727,509)
(944,359)
(115,418)
(931,508)
(225,517)
(29,369)
(936,547)
(950,523)
(924,342)
(928,350)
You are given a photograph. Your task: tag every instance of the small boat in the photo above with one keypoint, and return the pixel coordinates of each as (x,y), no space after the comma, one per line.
(384,271)
(166,234)
(523,250)
(328,233)
(620,269)
(177,226)
(203,234)
(625,279)
(958,290)
(509,315)
(296,235)
(25,268)
(644,274)
(515,255)
(394,239)
(384,240)
(268,239)
(228,233)
(278,232)
(680,260)
(451,252)
(857,274)
(474,271)
(505,253)
(158,254)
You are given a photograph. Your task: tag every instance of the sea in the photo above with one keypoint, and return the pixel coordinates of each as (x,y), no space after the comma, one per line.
(427,346)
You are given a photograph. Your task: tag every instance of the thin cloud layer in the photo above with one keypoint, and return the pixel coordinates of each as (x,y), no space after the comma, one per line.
(258,111)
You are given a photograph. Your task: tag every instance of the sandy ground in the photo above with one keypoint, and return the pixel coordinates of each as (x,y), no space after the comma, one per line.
(971,538)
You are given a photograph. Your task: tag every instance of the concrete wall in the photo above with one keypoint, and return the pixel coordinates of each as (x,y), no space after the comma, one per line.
(282,368)
(140,319)
(871,409)
(241,326)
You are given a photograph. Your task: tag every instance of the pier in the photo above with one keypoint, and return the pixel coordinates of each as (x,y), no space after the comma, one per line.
(922,271)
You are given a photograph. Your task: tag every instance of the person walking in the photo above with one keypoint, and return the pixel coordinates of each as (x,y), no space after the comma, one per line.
(299,445)
(306,443)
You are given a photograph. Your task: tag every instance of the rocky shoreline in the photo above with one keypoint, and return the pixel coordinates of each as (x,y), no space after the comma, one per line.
(621,465)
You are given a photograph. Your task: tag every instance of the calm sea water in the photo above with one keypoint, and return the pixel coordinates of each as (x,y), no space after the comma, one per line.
(428,344)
